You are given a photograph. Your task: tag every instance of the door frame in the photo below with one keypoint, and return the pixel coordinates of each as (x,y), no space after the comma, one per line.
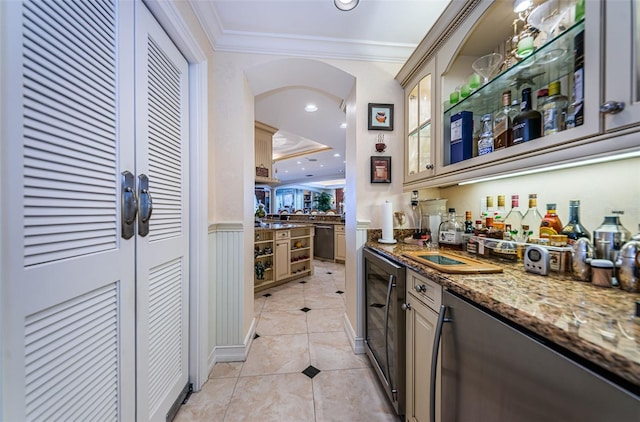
(174,23)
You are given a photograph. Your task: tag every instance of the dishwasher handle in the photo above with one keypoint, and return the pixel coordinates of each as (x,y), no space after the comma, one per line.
(434,360)
(324,227)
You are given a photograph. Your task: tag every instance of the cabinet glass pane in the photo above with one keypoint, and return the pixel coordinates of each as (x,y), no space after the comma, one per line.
(413,109)
(425,146)
(425,99)
(412,153)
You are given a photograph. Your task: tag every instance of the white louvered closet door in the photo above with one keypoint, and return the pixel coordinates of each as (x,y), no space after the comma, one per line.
(162,255)
(67,133)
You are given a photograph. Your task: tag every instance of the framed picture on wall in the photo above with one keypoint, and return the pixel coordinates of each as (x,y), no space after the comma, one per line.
(380,169)
(380,116)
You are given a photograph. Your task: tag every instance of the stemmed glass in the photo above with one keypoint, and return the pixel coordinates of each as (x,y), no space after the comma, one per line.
(486,66)
(546,18)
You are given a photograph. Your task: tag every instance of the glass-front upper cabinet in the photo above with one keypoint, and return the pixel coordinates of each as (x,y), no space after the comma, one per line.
(419,162)
(546,59)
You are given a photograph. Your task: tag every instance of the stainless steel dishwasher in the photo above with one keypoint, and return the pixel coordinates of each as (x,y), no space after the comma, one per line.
(323,242)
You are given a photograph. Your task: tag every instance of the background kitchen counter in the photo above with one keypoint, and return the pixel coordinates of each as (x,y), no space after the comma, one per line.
(592,322)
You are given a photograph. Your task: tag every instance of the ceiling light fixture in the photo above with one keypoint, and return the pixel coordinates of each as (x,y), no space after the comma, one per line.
(310,108)
(346,5)
(343,126)
(521,5)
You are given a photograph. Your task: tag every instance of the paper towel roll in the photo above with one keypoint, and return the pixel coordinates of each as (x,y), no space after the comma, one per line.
(387,223)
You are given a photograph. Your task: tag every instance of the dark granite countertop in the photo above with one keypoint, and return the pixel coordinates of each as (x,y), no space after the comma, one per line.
(593,322)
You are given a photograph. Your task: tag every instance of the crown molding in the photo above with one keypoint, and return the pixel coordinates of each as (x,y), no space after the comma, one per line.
(298,46)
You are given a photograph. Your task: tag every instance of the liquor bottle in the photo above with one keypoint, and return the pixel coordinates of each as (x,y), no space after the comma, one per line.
(550,224)
(554,110)
(468,222)
(487,210)
(513,219)
(577,111)
(532,217)
(574,230)
(485,144)
(527,124)
(541,97)
(450,231)
(499,214)
(503,123)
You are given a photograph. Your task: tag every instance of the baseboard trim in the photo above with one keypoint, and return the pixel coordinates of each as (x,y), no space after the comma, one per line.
(357,343)
(237,353)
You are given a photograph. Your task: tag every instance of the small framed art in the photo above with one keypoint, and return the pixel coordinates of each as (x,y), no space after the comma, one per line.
(380,117)
(380,169)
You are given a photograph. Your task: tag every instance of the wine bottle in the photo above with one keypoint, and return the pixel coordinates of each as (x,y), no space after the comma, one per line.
(574,229)
(527,124)
(550,224)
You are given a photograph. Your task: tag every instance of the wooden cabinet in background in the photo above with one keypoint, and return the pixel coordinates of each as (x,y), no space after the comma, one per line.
(264,154)
(284,254)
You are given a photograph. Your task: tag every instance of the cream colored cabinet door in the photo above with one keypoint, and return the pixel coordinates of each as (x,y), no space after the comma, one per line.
(421,325)
(283,253)
(419,158)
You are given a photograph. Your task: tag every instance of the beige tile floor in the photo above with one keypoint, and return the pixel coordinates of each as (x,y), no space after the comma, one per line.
(270,384)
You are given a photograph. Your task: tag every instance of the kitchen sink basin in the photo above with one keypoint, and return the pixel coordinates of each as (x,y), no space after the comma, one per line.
(446,262)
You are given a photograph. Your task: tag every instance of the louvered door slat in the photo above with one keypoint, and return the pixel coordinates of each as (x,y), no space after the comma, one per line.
(88,352)
(165,149)
(69,106)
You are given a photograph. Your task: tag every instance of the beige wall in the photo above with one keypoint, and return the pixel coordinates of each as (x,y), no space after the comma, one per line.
(600,188)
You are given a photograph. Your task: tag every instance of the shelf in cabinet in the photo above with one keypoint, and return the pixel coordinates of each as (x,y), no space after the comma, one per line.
(301,260)
(263,241)
(300,237)
(300,249)
(264,256)
(488,98)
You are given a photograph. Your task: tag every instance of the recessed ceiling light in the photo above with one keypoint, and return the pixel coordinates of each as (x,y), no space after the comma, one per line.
(321,165)
(343,126)
(298,162)
(310,108)
(336,155)
(346,5)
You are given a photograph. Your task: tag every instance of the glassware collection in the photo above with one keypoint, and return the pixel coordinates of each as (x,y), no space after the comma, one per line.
(543,62)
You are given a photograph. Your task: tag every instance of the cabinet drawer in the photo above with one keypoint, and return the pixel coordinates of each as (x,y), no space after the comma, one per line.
(339,228)
(282,234)
(426,290)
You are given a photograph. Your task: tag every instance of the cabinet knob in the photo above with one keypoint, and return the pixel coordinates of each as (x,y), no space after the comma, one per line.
(420,288)
(406,306)
(612,107)
(429,166)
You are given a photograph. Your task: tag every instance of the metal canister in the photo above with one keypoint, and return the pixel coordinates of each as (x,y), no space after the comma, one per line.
(609,238)
(580,257)
(628,266)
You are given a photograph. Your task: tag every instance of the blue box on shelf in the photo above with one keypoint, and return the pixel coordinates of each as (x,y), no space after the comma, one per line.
(461,136)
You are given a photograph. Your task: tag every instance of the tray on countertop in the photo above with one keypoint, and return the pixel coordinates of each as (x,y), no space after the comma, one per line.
(452,263)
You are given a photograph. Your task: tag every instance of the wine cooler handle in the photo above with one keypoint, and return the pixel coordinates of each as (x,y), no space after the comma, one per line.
(434,360)
(390,286)
(612,107)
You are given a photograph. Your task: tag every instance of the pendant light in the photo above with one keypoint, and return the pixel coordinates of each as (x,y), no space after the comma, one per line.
(346,5)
